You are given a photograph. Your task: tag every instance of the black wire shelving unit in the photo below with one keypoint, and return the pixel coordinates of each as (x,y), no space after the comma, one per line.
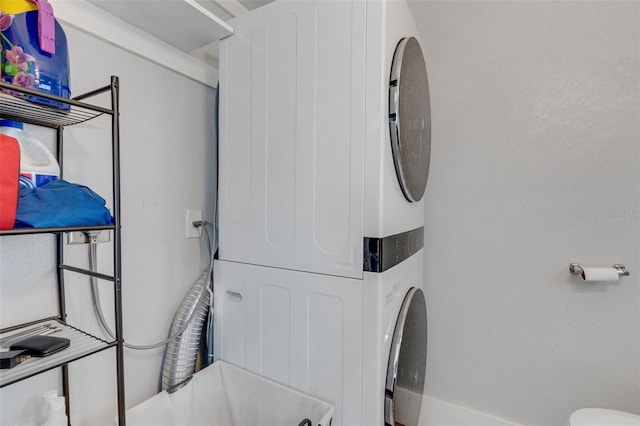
(29,106)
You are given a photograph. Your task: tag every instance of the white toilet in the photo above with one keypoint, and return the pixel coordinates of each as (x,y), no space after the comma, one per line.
(602,417)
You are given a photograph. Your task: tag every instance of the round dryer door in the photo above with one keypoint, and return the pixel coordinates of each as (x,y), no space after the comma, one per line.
(410,118)
(407,362)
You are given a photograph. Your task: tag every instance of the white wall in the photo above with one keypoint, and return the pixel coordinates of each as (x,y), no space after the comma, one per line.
(167,131)
(535,164)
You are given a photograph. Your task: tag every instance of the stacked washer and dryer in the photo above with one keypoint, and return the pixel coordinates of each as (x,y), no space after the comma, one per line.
(324,133)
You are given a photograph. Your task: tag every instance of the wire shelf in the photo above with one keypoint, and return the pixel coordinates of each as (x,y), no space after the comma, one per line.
(54,230)
(14,108)
(82,344)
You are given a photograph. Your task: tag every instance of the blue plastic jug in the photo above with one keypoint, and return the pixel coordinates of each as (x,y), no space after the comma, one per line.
(34,50)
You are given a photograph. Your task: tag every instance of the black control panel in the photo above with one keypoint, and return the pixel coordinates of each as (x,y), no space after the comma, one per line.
(384,253)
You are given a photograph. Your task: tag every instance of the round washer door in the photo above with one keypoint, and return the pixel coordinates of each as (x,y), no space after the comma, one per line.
(410,118)
(407,362)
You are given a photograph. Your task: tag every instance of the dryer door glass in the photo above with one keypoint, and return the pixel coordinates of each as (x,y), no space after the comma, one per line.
(407,362)
(410,118)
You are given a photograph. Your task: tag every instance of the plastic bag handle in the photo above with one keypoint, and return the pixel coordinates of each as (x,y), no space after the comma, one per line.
(46,26)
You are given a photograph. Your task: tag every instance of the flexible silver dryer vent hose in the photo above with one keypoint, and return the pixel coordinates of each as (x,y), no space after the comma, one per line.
(181,354)
(183,343)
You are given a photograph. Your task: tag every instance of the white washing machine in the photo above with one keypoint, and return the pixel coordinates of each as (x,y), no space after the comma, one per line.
(357,343)
(394,344)
(324,156)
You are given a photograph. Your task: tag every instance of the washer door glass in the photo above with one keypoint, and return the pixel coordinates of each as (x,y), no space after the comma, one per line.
(410,118)
(407,362)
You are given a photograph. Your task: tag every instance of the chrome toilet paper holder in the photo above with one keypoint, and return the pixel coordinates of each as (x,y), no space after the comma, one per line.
(576,269)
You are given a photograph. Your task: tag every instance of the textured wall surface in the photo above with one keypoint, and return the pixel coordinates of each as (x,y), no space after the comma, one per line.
(535,164)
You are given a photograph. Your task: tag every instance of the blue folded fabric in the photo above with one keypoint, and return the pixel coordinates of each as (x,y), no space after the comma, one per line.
(60,203)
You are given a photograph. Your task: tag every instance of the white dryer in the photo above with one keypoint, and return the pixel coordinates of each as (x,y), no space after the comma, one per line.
(324,155)
(308,164)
